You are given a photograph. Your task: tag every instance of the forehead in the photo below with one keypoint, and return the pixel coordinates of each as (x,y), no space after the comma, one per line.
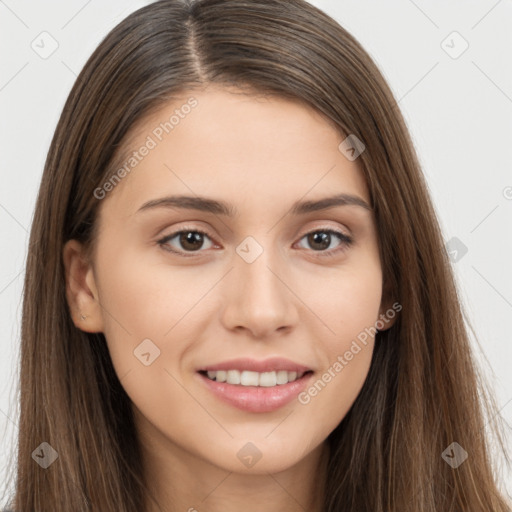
(227,143)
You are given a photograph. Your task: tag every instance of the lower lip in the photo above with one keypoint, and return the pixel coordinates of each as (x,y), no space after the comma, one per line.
(257,398)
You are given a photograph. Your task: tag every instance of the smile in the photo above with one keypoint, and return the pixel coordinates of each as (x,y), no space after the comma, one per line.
(248,378)
(238,388)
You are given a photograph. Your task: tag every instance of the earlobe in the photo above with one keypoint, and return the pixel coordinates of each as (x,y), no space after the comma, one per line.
(385,321)
(388,314)
(389,308)
(81,290)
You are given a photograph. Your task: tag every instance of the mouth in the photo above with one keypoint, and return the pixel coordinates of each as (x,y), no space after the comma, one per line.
(254,379)
(255,392)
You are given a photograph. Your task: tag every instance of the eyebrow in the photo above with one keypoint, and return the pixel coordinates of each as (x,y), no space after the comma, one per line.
(216,207)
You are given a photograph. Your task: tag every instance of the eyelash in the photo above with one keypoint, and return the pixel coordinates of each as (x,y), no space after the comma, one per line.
(346,241)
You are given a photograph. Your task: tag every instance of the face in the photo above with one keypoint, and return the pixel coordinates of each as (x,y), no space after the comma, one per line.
(238,271)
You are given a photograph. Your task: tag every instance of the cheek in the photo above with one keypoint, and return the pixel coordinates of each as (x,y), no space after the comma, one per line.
(347,300)
(143,296)
(131,295)
(144,307)
(349,306)
(147,299)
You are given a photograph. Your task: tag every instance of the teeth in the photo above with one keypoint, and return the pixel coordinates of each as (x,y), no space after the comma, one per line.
(233,377)
(268,379)
(247,378)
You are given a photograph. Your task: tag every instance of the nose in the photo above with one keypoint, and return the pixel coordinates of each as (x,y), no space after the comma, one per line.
(259,297)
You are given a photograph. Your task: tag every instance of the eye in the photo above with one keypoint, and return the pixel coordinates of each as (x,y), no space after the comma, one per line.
(322,238)
(192,240)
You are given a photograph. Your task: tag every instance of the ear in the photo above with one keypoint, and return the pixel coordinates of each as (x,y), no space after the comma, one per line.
(81,290)
(388,310)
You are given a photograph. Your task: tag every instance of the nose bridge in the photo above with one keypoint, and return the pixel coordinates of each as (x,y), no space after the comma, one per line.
(258,299)
(260,284)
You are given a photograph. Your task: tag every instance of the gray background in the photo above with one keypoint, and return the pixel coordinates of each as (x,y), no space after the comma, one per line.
(458,107)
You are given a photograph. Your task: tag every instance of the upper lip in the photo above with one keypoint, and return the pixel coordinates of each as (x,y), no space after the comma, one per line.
(267,365)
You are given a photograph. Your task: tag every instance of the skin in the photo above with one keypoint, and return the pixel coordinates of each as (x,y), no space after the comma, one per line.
(260,155)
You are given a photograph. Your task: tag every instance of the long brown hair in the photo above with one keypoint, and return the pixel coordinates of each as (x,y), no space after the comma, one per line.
(424,390)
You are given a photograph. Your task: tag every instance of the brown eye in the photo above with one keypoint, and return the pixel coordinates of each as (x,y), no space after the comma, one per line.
(321,239)
(188,240)
(193,240)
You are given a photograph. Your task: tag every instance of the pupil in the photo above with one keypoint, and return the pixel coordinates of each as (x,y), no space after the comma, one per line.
(322,238)
(191,237)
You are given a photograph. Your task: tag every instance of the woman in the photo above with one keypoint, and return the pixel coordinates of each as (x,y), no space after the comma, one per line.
(186,344)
